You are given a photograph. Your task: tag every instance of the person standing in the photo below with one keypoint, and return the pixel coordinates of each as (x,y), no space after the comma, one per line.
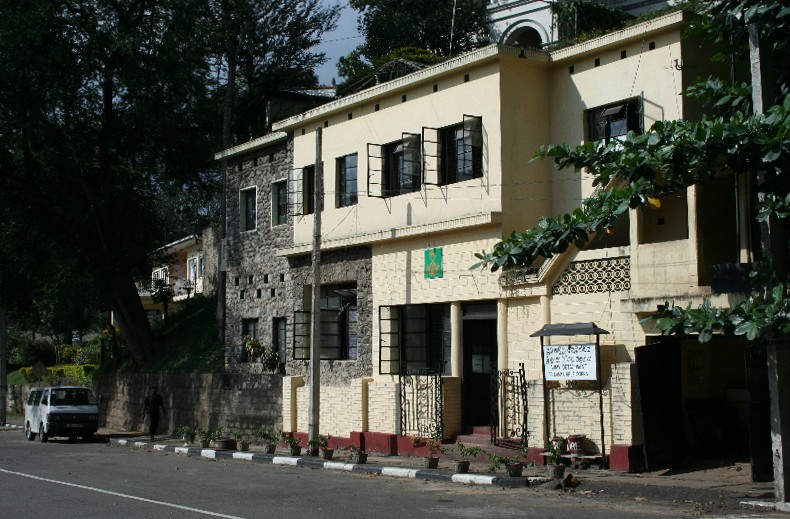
(153,403)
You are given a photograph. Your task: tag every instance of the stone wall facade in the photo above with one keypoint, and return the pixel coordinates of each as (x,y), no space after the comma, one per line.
(259,282)
(351,265)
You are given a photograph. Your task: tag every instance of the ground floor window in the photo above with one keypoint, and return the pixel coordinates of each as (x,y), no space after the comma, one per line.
(414,339)
(339,324)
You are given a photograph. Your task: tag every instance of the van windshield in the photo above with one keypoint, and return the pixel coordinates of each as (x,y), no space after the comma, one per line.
(72,396)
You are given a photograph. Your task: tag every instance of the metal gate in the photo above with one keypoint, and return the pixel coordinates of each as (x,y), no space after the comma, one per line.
(509,393)
(421,405)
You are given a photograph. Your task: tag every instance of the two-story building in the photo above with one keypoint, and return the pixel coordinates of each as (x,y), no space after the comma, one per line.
(419,174)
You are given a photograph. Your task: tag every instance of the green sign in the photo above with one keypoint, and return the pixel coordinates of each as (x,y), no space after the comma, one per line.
(433,263)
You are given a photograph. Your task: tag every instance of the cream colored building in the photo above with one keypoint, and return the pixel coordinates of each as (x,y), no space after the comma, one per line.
(430,168)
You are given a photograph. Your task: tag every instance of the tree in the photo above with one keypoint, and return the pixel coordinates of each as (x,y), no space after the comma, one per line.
(443,29)
(260,48)
(674,155)
(102,107)
(110,111)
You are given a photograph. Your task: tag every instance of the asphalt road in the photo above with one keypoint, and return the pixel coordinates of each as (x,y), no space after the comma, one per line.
(76,480)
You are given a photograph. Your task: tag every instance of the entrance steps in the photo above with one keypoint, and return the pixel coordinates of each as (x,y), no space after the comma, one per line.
(480,436)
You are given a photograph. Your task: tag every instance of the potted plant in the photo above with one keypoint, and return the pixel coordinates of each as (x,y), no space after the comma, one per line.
(293,443)
(435,449)
(223,441)
(207,436)
(554,458)
(513,464)
(323,445)
(462,465)
(358,454)
(187,434)
(269,439)
(241,444)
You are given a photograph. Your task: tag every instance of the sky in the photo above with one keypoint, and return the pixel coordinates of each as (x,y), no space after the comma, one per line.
(339,42)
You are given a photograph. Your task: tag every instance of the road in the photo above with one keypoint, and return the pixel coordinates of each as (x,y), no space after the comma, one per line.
(96,480)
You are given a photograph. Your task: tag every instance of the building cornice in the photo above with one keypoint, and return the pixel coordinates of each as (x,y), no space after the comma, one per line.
(461,62)
(399,233)
(662,23)
(260,142)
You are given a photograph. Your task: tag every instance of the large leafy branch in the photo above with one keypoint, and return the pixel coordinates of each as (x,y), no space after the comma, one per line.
(638,171)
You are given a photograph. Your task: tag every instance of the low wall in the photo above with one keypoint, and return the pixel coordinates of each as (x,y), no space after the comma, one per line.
(244,402)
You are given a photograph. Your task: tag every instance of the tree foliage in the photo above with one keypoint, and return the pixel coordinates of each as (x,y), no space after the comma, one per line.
(110,112)
(671,156)
(389,25)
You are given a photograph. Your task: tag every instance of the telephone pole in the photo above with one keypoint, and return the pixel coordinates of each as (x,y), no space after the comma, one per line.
(313,428)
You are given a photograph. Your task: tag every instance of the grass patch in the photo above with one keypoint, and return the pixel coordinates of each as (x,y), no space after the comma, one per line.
(189,342)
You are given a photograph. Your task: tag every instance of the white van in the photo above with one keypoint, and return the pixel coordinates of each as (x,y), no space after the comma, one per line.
(69,411)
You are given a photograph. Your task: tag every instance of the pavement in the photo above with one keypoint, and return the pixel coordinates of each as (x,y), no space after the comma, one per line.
(708,485)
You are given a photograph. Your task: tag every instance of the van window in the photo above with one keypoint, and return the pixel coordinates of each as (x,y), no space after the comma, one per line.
(72,396)
(34,397)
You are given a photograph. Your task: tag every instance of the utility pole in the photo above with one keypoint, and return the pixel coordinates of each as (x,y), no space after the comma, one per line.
(313,427)
(3,365)
(777,348)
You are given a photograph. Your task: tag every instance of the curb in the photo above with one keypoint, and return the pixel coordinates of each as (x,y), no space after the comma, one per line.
(359,468)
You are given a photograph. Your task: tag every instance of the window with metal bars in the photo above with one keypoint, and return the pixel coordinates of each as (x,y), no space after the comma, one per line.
(338,328)
(614,121)
(414,339)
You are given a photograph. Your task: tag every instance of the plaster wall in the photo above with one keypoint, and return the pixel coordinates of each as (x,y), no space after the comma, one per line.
(384,120)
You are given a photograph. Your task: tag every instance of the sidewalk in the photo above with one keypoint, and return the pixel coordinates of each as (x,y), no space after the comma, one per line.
(711,484)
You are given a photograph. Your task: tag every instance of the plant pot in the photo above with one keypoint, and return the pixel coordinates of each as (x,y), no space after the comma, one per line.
(462,466)
(205,444)
(327,453)
(431,463)
(576,444)
(514,470)
(556,471)
(295,450)
(226,444)
(243,446)
(187,440)
(360,457)
(269,448)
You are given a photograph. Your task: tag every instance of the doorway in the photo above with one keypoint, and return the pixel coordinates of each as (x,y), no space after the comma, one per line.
(479,361)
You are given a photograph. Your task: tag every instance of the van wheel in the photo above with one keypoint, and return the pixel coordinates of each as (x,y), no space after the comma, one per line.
(88,437)
(29,434)
(72,438)
(42,436)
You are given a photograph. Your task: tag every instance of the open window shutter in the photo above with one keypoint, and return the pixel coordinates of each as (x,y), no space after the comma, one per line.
(389,340)
(301,335)
(431,156)
(376,170)
(296,192)
(411,165)
(473,145)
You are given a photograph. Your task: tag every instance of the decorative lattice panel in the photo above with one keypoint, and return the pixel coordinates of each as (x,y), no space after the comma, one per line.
(594,276)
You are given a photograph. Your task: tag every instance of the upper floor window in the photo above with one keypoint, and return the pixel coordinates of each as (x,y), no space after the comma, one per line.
(308,189)
(395,168)
(247,209)
(402,166)
(614,121)
(453,153)
(280,202)
(461,151)
(346,168)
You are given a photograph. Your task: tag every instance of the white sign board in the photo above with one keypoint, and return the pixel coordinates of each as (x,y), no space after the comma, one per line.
(570,362)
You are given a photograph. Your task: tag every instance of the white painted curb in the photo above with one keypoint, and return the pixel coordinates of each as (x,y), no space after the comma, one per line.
(399,472)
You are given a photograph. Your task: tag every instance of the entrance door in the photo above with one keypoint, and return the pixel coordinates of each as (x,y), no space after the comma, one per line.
(480,358)
(658,369)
